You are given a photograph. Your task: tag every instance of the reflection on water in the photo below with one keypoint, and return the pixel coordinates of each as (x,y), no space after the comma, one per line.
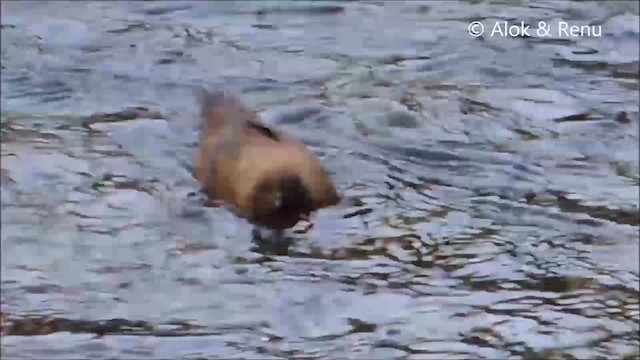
(491,183)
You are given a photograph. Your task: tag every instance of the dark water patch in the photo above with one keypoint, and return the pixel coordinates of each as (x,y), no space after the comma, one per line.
(130,28)
(119,269)
(365,249)
(165,61)
(575,117)
(46,91)
(358,212)
(395,59)
(90,49)
(526,135)
(622,118)
(124,115)
(44,325)
(298,114)
(409,100)
(471,106)
(302,10)
(20,78)
(174,56)
(43,289)
(402,119)
(626,71)
(561,284)
(426,156)
(620,216)
(111,181)
(195,247)
(15,132)
(622,71)
(264,26)
(163,10)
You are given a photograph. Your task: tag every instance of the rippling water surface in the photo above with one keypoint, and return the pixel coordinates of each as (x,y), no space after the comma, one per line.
(491,183)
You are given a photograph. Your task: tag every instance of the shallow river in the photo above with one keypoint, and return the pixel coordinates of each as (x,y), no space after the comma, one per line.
(491,183)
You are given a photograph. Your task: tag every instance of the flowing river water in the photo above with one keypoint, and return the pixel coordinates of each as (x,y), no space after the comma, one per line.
(491,182)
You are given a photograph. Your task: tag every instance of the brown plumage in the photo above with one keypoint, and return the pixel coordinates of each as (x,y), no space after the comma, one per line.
(265,176)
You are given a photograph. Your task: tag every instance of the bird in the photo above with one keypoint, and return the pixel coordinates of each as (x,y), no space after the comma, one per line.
(260,173)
